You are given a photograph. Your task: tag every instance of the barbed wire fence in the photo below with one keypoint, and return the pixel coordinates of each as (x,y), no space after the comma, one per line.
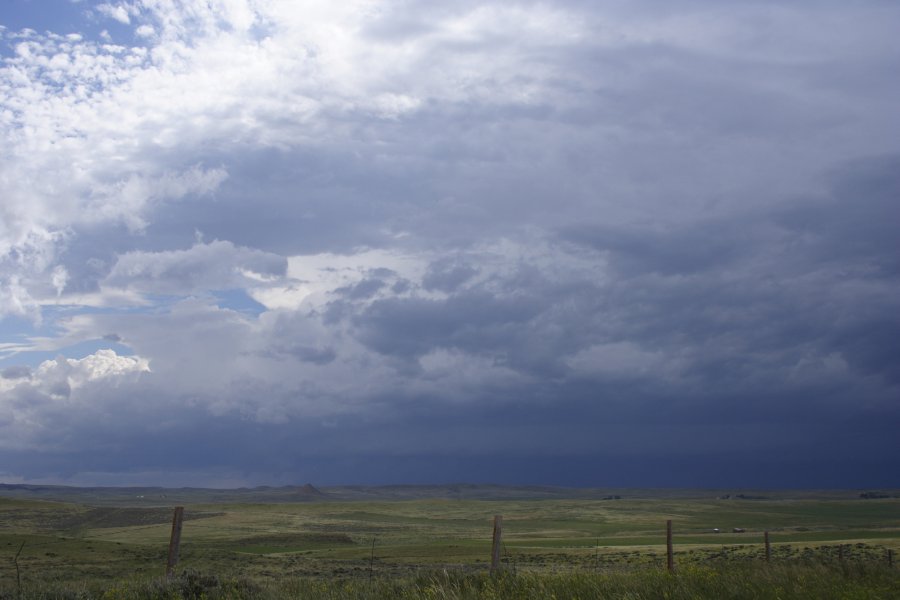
(498,544)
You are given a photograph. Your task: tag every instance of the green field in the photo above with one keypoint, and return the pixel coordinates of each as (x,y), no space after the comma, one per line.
(340,537)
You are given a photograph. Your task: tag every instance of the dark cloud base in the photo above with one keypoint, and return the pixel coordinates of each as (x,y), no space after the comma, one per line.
(581,446)
(706,472)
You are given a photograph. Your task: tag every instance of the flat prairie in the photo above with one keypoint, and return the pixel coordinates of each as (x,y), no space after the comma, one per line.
(108,534)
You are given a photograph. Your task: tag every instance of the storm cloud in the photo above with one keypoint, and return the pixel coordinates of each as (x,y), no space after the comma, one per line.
(643,243)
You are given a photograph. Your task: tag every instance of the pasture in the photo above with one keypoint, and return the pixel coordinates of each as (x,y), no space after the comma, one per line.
(345,540)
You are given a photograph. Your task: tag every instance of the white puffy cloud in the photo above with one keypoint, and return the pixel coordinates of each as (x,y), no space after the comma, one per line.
(119,12)
(102,365)
(58,278)
(72,373)
(37,405)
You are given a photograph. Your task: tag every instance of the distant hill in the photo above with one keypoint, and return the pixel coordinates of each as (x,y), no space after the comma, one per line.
(159,496)
(308,490)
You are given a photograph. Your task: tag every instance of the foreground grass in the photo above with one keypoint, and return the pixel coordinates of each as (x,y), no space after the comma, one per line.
(862,581)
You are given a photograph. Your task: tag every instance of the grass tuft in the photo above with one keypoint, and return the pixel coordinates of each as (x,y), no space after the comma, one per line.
(733,581)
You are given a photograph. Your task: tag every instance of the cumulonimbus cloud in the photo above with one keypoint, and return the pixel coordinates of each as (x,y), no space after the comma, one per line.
(35,405)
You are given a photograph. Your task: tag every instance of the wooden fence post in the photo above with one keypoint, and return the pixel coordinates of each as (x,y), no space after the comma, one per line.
(495,546)
(890,557)
(768,547)
(841,552)
(174,541)
(18,576)
(670,559)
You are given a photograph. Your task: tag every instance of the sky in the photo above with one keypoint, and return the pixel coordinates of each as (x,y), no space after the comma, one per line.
(615,243)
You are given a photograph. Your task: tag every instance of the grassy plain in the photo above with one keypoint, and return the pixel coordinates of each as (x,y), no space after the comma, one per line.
(348,542)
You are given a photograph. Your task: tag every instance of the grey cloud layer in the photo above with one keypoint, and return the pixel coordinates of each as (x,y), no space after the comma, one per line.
(214,266)
(628,229)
